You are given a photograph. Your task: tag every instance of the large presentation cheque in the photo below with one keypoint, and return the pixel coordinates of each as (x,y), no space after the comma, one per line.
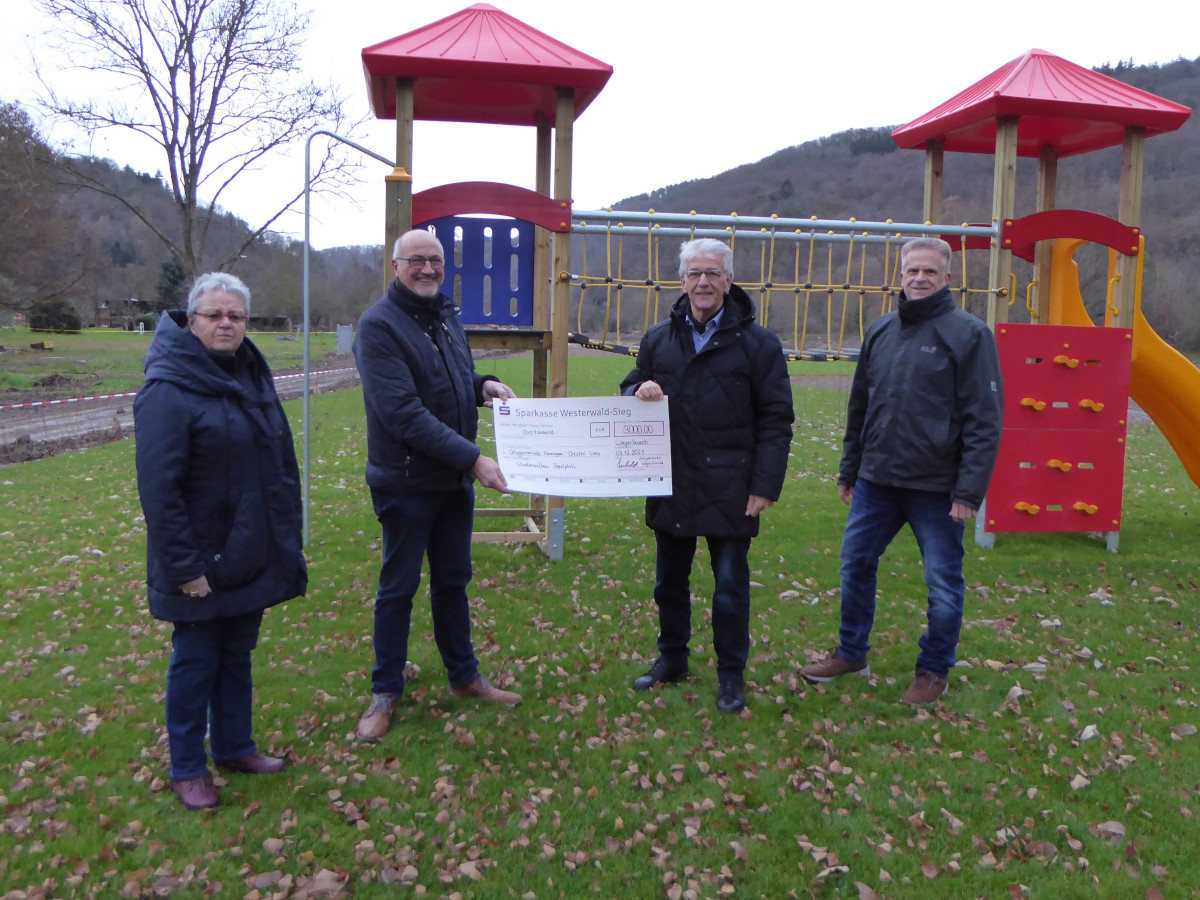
(585,446)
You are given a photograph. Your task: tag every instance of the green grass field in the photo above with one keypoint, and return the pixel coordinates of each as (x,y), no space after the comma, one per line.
(1064,762)
(106,361)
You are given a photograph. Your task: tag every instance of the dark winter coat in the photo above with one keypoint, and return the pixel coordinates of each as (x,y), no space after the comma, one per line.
(421,394)
(926,406)
(218,480)
(731,419)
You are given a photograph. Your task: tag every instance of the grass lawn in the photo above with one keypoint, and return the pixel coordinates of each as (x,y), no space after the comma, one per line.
(1063,763)
(108,361)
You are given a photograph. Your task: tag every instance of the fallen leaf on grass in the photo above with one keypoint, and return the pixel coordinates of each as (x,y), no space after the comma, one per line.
(955,823)
(1043,850)
(1113,831)
(830,873)
(325,884)
(264,879)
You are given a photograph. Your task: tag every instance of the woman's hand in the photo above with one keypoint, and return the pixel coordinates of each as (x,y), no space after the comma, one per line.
(197,587)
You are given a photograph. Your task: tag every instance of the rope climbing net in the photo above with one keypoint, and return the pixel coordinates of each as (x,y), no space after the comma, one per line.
(819,282)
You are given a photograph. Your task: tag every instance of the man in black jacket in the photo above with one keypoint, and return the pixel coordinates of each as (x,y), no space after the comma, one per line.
(422,397)
(922,433)
(730,405)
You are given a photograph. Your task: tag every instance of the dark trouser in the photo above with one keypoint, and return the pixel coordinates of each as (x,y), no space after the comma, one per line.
(730,604)
(437,524)
(209,680)
(877,513)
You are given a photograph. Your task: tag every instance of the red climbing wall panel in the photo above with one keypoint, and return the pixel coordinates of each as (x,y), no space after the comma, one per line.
(1062,457)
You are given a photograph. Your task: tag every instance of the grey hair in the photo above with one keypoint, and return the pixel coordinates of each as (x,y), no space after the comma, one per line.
(928,243)
(212,282)
(689,250)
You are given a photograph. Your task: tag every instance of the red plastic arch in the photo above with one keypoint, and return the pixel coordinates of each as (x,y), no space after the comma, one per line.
(491,197)
(1020,235)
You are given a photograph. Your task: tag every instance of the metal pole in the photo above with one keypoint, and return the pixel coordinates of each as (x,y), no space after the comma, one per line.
(305,486)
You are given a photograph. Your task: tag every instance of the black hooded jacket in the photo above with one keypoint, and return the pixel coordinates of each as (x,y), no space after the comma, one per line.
(218,480)
(731,418)
(421,393)
(926,406)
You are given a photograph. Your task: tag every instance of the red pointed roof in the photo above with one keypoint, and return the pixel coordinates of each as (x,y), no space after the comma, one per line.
(480,65)
(1074,109)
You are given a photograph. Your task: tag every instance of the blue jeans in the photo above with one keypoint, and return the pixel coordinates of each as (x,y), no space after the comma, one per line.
(415,525)
(208,681)
(877,513)
(730,604)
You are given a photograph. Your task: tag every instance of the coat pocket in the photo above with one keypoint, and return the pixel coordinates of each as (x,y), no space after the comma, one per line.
(246,552)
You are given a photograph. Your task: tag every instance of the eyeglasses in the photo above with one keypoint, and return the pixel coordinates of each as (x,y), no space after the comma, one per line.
(235,318)
(418,262)
(711,274)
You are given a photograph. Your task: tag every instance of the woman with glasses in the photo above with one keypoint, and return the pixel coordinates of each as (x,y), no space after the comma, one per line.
(220,490)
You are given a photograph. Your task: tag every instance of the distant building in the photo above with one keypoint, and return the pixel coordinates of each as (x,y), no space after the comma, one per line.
(269,323)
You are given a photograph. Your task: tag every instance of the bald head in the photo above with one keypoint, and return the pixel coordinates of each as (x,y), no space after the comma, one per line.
(418,262)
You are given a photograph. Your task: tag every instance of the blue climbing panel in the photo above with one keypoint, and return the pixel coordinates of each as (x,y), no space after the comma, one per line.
(489,268)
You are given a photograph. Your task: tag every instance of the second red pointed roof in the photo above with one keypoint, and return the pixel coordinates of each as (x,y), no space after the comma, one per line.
(480,65)
(1073,109)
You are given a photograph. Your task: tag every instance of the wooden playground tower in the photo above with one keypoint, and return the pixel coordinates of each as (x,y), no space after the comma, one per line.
(481,65)
(1047,108)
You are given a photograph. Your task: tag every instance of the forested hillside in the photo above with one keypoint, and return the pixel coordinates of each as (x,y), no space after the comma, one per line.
(62,244)
(862,174)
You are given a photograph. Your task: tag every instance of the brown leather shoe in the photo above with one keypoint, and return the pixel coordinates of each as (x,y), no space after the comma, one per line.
(196,793)
(925,689)
(482,689)
(376,721)
(834,666)
(253,764)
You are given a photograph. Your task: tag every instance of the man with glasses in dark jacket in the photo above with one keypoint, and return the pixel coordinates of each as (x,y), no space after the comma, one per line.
(422,397)
(730,405)
(922,434)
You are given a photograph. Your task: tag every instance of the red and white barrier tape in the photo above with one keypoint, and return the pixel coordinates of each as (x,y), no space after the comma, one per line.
(36,403)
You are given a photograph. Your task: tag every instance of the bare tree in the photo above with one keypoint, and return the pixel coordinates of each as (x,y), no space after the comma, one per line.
(214,84)
(42,254)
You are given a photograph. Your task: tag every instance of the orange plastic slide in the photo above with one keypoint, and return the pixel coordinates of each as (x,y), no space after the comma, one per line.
(1163,381)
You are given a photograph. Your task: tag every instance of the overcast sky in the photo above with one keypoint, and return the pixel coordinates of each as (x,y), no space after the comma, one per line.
(697,88)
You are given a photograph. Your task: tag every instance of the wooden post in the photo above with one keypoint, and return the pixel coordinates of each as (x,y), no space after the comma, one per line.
(1004,193)
(542,273)
(397,216)
(1133,159)
(1046,200)
(564,126)
(935,153)
(560,305)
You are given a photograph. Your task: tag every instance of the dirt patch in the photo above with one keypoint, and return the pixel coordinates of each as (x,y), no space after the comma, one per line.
(25,449)
(56,383)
